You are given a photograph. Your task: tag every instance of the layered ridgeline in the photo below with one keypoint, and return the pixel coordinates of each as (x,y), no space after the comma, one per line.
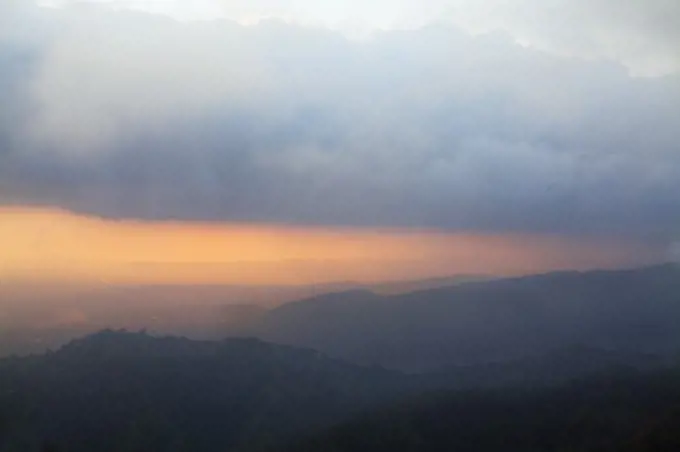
(630,310)
(36,317)
(118,391)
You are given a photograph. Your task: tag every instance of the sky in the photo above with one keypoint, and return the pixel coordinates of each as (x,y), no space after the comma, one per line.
(56,246)
(548,128)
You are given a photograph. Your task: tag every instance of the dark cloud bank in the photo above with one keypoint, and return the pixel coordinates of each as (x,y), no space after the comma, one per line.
(129,115)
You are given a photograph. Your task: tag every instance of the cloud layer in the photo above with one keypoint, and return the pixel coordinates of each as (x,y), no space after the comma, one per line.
(128,114)
(642,35)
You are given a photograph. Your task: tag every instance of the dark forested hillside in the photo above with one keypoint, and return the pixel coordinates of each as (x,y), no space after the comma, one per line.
(624,412)
(117,391)
(631,310)
(120,392)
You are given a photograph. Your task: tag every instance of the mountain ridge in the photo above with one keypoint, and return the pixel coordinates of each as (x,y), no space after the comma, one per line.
(636,309)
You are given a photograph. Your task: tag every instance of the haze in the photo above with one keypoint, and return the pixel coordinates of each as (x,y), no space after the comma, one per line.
(299,143)
(348,225)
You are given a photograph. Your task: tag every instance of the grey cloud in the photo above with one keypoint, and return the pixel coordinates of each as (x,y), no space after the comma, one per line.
(129,115)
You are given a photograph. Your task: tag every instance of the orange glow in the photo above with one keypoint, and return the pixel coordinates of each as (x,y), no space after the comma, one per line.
(50,244)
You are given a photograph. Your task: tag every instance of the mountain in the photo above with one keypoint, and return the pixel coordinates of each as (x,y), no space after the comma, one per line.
(552,369)
(116,391)
(635,310)
(120,391)
(399,287)
(35,317)
(624,412)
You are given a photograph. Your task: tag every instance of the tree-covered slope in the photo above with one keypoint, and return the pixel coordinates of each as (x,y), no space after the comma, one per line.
(117,391)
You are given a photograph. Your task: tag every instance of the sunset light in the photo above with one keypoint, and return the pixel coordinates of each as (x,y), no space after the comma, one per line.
(49,245)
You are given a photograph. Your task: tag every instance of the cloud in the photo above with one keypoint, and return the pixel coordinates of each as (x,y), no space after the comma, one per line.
(642,35)
(127,114)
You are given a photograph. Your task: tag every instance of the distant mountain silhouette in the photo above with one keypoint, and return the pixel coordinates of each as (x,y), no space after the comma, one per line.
(632,310)
(400,287)
(41,316)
